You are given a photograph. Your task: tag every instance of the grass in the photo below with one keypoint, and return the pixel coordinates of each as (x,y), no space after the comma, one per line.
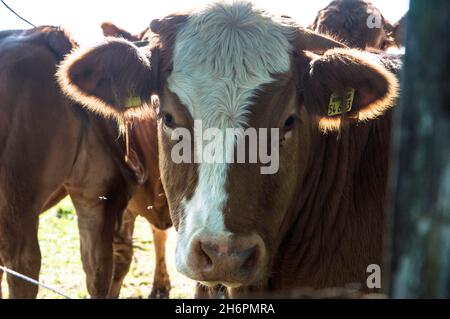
(61,261)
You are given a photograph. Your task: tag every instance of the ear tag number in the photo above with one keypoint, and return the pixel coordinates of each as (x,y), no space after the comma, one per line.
(335,106)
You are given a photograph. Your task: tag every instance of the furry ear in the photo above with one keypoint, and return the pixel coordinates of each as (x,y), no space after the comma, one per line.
(110,78)
(169,24)
(350,82)
(58,40)
(111,30)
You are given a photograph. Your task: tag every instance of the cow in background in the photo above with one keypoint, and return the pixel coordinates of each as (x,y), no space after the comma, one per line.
(49,148)
(354,23)
(149,202)
(111,30)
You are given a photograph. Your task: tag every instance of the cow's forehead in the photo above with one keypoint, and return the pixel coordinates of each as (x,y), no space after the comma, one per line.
(222,55)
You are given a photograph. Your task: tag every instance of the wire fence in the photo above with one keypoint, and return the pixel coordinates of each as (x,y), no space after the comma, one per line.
(17,15)
(32,281)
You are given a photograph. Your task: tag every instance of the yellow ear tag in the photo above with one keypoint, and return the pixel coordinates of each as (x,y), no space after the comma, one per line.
(335,107)
(134,101)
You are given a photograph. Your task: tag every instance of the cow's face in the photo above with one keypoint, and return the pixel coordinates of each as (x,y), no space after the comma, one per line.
(228,214)
(232,67)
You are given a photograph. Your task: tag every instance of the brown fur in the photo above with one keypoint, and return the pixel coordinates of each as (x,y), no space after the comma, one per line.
(51,148)
(108,87)
(353,71)
(111,30)
(335,224)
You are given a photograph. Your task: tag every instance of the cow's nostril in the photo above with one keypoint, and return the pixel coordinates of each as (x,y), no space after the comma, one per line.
(251,258)
(223,257)
(205,254)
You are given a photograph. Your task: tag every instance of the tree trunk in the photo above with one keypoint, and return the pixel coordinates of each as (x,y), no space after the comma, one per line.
(420,181)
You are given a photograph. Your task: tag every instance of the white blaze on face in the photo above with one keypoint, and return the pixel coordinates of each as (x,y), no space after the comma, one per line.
(221,58)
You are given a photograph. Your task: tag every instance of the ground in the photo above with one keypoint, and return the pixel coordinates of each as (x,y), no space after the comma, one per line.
(61,262)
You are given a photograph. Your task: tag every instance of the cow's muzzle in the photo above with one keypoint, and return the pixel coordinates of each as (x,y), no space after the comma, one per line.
(225,259)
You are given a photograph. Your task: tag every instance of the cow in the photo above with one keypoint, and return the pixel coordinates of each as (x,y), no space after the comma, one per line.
(317,221)
(49,148)
(358,23)
(162,287)
(149,202)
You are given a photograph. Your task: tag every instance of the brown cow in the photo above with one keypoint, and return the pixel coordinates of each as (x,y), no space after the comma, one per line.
(50,147)
(148,201)
(161,279)
(317,218)
(355,23)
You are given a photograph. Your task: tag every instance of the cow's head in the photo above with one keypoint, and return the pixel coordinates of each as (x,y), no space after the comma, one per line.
(358,23)
(232,66)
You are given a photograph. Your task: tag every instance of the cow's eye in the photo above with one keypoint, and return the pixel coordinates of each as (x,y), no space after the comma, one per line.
(168,120)
(289,123)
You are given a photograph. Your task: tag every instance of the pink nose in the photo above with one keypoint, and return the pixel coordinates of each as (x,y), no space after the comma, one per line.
(232,261)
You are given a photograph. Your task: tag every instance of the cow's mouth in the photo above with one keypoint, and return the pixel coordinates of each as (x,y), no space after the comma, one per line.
(212,284)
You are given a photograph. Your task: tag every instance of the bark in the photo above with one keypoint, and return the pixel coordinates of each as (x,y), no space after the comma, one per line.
(419,257)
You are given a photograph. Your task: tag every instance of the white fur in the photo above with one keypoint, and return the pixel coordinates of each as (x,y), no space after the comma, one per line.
(221,58)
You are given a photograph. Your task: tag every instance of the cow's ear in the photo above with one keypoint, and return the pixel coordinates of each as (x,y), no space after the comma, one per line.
(348,84)
(111,78)
(59,40)
(111,30)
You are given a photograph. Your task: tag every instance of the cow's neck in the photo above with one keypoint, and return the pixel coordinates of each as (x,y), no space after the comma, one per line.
(107,131)
(334,229)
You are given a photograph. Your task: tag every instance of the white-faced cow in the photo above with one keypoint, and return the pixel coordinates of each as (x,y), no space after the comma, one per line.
(51,147)
(318,220)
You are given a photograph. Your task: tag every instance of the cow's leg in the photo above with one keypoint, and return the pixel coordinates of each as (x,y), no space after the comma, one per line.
(20,252)
(161,280)
(96,221)
(96,233)
(123,252)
